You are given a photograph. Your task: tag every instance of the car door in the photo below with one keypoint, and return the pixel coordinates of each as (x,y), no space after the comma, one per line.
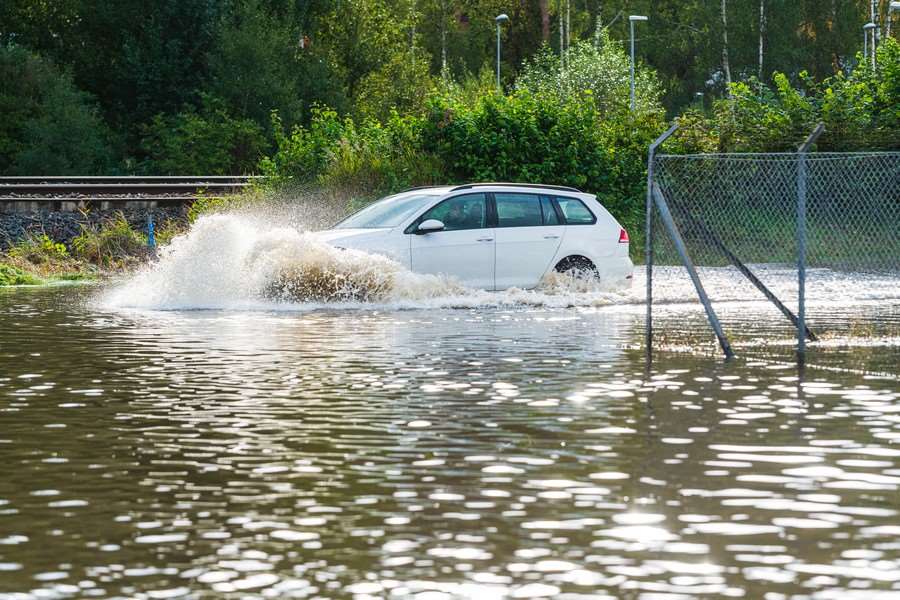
(464,249)
(529,232)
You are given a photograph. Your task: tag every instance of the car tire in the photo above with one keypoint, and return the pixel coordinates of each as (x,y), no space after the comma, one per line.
(578,267)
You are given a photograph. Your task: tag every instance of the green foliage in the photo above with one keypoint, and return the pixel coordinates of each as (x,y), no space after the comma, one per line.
(545,139)
(208,142)
(39,249)
(48,125)
(600,70)
(526,137)
(256,66)
(400,85)
(139,58)
(154,68)
(111,243)
(11,275)
(860,110)
(339,153)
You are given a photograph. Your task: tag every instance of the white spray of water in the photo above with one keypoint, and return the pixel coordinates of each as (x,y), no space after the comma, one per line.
(236,261)
(240,261)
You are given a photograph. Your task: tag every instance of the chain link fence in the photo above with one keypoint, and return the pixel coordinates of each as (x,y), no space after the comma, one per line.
(741,220)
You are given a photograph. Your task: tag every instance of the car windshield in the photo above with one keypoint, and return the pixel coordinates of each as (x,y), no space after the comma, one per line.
(387,212)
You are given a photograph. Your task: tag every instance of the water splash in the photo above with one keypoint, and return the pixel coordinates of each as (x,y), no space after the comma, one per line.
(237,261)
(245,261)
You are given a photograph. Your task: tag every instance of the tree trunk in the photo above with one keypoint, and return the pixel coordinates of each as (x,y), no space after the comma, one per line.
(725,65)
(598,28)
(762,35)
(545,20)
(562,34)
(444,17)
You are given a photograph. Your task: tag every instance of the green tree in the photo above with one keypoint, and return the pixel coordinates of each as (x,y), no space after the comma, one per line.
(601,70)
(49,125)
(259,63)
(204,142)
(138,58)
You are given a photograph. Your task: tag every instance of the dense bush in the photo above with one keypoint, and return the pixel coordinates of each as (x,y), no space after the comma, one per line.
(600,70)
(399,86)
(39,249)
(370,157)
(545,139)
(12,275)
(48,126)
(860,110)
(204,142)
(568,127)
(109,244)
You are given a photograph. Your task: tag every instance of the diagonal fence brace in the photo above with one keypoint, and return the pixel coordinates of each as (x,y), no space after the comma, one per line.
(746,272)
(680,247)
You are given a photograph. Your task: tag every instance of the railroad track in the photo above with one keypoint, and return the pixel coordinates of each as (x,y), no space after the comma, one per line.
(91,190)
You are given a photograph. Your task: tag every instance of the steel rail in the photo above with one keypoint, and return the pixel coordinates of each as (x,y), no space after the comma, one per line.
(115,188)
(129,179)
(119,189)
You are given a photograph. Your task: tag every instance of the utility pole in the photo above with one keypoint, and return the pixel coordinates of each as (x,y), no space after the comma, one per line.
(501,18)
(869,28)
(632,19)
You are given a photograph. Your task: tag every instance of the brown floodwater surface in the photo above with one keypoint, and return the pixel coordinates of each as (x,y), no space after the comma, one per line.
(505,451)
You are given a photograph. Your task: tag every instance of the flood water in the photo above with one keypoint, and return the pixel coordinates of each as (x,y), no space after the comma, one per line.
(509,450)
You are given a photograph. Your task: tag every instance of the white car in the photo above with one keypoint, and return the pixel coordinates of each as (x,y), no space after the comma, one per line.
(492,236)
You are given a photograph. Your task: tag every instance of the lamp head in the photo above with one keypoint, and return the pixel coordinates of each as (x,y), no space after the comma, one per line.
(869,25)
(894,6)
(501,18)
(636,18)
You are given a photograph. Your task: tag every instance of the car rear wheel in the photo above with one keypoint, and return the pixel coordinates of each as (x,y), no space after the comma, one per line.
(578,267)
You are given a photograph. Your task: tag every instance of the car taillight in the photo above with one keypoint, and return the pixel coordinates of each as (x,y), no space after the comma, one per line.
(623,236)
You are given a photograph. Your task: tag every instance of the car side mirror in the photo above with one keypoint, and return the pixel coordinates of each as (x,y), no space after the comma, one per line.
(429,226)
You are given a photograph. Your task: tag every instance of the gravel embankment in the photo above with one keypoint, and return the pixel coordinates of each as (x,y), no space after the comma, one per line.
(64,226)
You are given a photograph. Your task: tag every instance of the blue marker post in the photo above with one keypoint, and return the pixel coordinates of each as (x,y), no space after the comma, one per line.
(151,236)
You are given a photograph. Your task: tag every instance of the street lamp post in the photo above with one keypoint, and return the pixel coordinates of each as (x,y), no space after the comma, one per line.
(868,27)
(501,18)
(632,19)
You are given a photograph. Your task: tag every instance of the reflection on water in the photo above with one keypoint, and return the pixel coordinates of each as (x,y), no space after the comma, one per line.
(501,452)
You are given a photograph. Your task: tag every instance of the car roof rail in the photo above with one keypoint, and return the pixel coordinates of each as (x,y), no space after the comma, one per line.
(418,187)
(563,188)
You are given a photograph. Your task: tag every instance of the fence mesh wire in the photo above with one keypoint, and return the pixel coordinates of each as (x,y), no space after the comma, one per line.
(746,205)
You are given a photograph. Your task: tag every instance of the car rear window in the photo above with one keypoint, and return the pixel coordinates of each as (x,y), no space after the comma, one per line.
(575,211)
(518,210)
(551,217)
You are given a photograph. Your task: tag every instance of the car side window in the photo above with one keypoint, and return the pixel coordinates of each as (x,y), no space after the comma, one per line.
(575,212)
(551,217)
(460,212)
(518,210)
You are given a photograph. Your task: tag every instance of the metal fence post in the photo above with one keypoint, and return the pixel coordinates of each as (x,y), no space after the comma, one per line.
(801,237)
(648,235)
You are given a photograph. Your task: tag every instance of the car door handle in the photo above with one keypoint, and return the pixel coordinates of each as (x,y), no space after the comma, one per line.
(551,237)
(485,239)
